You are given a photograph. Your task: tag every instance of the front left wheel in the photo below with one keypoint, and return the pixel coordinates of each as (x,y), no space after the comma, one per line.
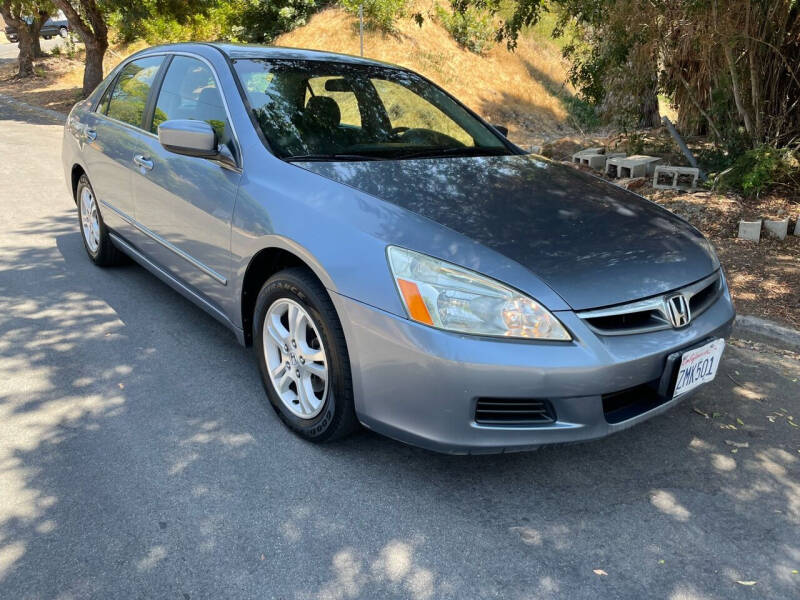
(302,357)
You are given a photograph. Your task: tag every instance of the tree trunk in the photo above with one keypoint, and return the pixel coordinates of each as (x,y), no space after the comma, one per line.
(25,52)
(737,91)
(36,46)
(89,22)
(93,71)
(649,116)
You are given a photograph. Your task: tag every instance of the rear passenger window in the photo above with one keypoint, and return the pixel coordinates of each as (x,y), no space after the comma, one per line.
(129,97)
(190,92)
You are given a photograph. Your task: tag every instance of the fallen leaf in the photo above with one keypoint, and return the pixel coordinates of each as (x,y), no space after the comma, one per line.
(793,424)
(700,412)
(734,450)
(121,386)
(795,571)
(715,415)
(739,421)
(731,426)
(746,582)
(263,557)
(738,444)
(599,572)
(661,562)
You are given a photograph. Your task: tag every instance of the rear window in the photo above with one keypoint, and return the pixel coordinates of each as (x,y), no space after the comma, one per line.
(128,99)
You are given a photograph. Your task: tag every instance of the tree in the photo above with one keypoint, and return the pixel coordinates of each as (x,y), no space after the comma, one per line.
(27,18)
(88,19)
(43,10)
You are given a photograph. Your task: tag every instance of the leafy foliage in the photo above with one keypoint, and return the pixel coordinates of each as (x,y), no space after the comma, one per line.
(473,28)
(260,21)
(378,14)
(761,169)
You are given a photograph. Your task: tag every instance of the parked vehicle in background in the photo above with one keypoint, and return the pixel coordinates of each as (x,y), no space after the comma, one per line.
(51,28)
(393,259)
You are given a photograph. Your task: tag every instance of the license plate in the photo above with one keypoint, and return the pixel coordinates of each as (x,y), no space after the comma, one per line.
(698,366)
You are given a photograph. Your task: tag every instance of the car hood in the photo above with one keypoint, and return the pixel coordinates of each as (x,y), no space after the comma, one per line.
(593,243)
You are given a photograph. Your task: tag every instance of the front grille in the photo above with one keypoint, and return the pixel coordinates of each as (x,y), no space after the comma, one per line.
(626,404)
(513,411)
(633,321)
(651,314)
(705,297)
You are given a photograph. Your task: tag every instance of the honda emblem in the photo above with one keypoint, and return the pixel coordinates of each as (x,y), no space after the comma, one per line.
(678,310)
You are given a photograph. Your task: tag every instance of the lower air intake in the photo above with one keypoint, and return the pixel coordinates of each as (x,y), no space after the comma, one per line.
(511,411)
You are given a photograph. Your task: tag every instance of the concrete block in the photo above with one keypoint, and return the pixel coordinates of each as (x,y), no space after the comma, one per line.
(634,166)
(778,229)
(750,230)
(576,158)
(594,161)
(667,177)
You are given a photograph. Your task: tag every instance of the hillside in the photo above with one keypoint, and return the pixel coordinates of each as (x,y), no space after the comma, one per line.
(523,90)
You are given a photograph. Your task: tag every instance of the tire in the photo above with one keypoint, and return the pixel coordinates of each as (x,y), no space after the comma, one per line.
(335,415)
(93,230)
(63,32)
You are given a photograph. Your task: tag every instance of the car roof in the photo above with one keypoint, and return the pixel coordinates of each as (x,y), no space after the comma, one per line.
(240,51)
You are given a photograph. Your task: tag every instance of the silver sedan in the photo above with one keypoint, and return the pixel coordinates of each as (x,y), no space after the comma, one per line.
(392,258)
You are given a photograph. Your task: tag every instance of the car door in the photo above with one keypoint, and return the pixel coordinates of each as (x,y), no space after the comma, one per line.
(113,136)
(185,203)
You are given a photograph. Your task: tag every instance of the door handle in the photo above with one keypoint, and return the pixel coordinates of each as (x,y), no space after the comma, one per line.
(144,163)
(91,135)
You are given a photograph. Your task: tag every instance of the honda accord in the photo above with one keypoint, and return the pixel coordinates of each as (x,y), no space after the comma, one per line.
(392,258)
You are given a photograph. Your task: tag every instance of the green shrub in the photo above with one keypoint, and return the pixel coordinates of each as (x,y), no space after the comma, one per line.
(143,20)
(378,14)
(261,21)
(472,28)
(762,168)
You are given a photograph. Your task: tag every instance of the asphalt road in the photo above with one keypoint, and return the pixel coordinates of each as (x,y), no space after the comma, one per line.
(10,52)
(138,460)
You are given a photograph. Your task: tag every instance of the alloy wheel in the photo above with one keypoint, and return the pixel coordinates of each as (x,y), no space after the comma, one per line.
(295,357)
(90,220)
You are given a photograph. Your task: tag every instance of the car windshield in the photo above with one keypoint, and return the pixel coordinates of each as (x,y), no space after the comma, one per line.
(313,110)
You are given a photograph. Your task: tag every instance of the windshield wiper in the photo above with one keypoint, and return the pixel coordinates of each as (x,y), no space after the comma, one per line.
(455,151)
(330,157)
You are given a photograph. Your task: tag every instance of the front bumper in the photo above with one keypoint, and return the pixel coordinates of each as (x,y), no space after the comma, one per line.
(420,385)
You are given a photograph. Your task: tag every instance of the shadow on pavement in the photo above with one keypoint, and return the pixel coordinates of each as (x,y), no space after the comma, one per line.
(144,463)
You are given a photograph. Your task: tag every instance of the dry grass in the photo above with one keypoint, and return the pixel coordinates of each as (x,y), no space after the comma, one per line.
(521,90)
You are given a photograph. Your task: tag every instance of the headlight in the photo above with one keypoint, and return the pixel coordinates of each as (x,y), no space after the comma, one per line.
(449,297)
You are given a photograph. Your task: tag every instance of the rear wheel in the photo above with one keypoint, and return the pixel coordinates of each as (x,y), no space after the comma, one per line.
(94,233)
(303,357)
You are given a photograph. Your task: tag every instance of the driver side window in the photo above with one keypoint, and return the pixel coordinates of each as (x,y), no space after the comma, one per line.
(189,91)
(407,110)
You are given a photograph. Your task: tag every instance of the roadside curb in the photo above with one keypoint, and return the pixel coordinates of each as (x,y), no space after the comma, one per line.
(60,118)
(768,331)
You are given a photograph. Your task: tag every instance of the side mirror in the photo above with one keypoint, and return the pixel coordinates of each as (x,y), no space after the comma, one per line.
(193,138)
(502,129)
